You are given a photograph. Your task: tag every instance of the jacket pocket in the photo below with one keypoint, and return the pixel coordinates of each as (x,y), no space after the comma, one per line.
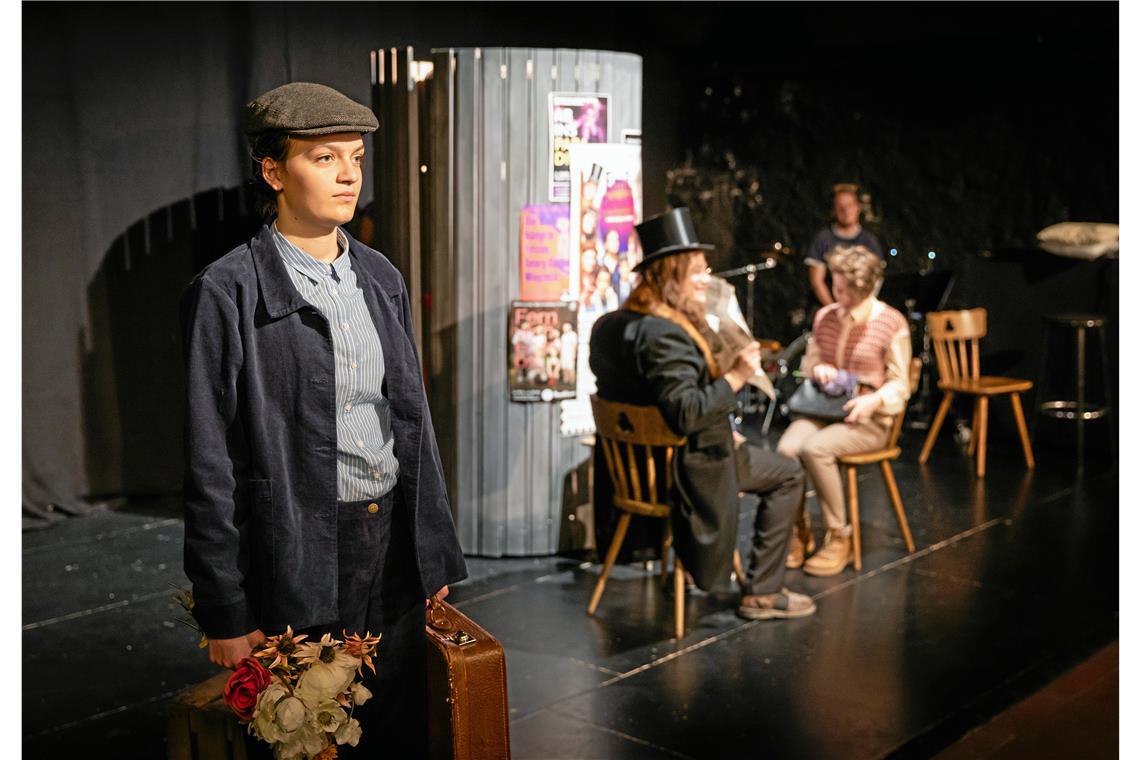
(261,500)
(713,441)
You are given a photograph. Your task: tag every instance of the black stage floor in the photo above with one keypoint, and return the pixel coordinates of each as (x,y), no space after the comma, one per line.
(1014,580)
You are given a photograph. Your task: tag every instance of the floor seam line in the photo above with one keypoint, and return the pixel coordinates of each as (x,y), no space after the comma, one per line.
(94,610)
(105,713)
(622,734)
(1058,495)
(100,536)
(517,586)
(912,557)
(674,655)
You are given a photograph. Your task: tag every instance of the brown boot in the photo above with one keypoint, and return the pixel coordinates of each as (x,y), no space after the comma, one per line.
(802,542)
(836,554)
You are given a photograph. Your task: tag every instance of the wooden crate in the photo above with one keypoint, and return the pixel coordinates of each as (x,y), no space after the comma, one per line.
(199,725)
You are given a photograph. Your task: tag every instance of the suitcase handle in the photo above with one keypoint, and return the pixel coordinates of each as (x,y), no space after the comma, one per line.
(437,616)
(437,619)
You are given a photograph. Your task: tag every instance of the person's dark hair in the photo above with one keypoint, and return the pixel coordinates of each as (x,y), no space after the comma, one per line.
(275,145)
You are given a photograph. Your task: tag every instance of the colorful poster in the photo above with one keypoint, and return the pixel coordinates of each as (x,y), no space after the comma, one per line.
(575,118)
(605,204)
(544,252)
(543,350)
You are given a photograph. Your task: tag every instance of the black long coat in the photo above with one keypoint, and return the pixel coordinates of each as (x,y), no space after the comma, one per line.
(642,359)
(260,493)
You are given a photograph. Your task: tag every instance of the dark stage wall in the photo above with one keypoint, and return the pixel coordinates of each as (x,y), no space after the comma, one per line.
(972,125)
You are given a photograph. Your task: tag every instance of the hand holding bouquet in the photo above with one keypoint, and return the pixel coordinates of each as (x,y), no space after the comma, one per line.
(298,696)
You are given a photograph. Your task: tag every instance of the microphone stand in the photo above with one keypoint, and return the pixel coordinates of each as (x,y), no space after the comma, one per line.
(750,405)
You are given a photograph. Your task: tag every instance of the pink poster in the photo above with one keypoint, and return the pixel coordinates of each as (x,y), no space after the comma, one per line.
(574,118)
(544,254)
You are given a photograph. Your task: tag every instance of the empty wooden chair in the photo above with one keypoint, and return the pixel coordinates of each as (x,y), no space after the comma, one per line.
(639,448)
(883,457)
(955,336)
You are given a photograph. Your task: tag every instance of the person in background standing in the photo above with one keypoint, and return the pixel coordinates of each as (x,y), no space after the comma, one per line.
(846,231)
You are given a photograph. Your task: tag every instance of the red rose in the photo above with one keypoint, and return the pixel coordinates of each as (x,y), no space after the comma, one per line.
(249,679)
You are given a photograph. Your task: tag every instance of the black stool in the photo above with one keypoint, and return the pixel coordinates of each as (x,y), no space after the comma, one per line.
(1079,409)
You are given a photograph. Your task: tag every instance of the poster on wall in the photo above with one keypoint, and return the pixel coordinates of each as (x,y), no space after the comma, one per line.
(575,118)
(543,350)
(605,204)
(544,252)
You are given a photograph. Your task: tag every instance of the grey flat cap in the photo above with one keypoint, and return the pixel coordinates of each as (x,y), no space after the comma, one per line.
(305,108)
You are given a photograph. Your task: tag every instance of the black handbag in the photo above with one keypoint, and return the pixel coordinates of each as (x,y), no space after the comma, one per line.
(810,401)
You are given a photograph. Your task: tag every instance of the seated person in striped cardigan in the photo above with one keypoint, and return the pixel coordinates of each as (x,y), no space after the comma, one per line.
(864,336)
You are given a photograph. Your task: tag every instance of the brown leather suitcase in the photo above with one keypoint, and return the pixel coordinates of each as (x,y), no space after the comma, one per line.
(200,726)
(467,688)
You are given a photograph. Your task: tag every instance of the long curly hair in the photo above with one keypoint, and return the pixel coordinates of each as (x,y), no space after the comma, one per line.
(660,282)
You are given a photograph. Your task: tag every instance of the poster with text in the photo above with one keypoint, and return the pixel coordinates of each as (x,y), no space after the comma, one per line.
(605,204)
(544,252)
(543,350)
(575,118)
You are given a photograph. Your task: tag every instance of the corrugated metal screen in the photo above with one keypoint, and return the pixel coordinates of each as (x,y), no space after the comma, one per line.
(487,155)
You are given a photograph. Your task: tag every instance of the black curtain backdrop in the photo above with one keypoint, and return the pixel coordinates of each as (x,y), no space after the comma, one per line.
(973,125)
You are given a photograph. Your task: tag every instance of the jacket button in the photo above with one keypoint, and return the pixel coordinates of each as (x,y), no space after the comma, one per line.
(373,508)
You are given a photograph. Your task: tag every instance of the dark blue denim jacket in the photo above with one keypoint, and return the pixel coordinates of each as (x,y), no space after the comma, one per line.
(260,490)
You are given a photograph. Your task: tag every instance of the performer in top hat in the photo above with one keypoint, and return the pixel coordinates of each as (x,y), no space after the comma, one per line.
(652,351)
(314,494)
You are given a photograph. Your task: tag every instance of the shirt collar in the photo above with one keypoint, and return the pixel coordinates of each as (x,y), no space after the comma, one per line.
(306,264)
(858,232)
(862,312)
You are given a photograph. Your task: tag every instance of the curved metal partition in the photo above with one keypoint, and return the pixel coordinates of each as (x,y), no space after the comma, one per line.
(484,152)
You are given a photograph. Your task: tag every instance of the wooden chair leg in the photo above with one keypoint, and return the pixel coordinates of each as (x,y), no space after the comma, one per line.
(678,597)
(611,557)
(738,568)
(1022,430)
(853,514)
(983,433)
(666,543)
(896,502)
(973,447)
(935,426)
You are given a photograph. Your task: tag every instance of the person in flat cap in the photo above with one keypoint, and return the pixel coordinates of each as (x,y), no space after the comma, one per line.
(654,351)
(314,495)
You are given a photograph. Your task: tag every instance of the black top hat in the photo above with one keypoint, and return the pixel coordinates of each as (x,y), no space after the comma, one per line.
(666,234)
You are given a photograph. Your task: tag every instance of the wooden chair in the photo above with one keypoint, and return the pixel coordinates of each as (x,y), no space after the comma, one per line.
(634,441)
(883,457)
(955,336)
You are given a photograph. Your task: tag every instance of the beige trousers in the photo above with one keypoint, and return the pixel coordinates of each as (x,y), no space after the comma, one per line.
(817,444)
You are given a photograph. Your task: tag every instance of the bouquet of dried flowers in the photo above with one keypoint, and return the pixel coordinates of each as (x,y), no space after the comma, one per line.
(298,696)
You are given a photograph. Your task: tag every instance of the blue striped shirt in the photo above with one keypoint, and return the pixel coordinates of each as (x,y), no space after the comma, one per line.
(366,460)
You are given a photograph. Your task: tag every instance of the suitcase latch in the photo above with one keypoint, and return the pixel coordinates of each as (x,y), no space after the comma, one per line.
(461,638)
